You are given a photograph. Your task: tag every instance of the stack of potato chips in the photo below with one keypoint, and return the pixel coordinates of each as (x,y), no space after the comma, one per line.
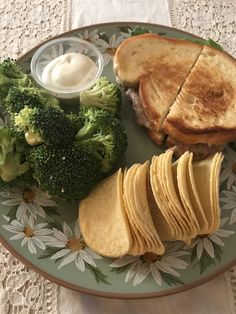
(132,212)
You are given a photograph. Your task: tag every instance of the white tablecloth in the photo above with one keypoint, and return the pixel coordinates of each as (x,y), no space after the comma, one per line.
(92,11)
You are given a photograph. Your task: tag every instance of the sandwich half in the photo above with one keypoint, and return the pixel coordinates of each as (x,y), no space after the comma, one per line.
(205,109)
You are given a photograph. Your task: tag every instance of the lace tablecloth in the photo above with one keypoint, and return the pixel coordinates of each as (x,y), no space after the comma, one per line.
(24,24)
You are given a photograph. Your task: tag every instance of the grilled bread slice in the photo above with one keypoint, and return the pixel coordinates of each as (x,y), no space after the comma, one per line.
(140,55)
(205,109)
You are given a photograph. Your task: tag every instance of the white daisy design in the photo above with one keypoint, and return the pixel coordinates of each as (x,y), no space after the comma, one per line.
(228,172)
(73,248)
(142,266)
(34,235)
(29,201)
(92,37)
(230,203)
(125,35)
(204,243)
(52,54)
(75,48)
(108,49)
(59,50)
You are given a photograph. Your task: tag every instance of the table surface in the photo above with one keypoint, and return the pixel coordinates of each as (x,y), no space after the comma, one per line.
(214,297)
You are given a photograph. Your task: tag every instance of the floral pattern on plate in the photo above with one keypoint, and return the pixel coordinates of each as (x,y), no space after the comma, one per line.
(162,268)
(34,235)
(29,201)
(27,206)
(66,247)
(206,249)
(228,173)
(229,198)
(71,248)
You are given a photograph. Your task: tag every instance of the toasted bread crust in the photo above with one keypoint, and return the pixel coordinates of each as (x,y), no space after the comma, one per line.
(205,109)
(216,137)
(137,56)
(156,136)
(149,95)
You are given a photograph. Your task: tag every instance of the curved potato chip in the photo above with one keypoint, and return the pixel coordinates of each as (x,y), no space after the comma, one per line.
(164,230)
(206,175)
(171,190)
(138,247)
(164,224)
(182,171)
(194,198)
(168,202)
(140,184)
(215,190)
(102,218)
(135,214)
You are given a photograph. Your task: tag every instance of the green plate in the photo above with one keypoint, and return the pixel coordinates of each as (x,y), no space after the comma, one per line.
(45,236)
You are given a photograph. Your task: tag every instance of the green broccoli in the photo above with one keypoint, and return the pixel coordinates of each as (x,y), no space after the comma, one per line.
(91,119)
(76,120)
(11,75)
(103,135)
(18,97)
(24,181)
(104,94)
(12,157)
(44,125)
(66,172)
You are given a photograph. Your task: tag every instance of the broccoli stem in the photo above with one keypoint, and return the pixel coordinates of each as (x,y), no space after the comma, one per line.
(86,131)
(13,168)
(33,138)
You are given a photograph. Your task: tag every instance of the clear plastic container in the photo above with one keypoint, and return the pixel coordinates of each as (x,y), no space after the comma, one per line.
(58,47)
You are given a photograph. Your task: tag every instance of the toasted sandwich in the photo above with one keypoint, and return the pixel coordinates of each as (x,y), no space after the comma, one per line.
(156,67)
(180,89)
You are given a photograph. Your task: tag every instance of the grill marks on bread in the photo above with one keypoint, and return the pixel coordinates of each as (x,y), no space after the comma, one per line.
(205,108)
(157,91)
(210,97)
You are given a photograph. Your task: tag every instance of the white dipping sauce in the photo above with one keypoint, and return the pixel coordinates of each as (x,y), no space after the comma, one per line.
(69,72)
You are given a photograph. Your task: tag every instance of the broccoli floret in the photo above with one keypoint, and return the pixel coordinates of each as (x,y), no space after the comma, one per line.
(104,94)
(91,120)
(11,75)
(6,143)
(76,120)
(32,97)
(24,181)
(103,135)
(44,125)
(19,97)
(12,70)
(66,172)
(12,157)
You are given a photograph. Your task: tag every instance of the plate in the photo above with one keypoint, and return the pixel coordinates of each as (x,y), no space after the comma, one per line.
(69,263)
